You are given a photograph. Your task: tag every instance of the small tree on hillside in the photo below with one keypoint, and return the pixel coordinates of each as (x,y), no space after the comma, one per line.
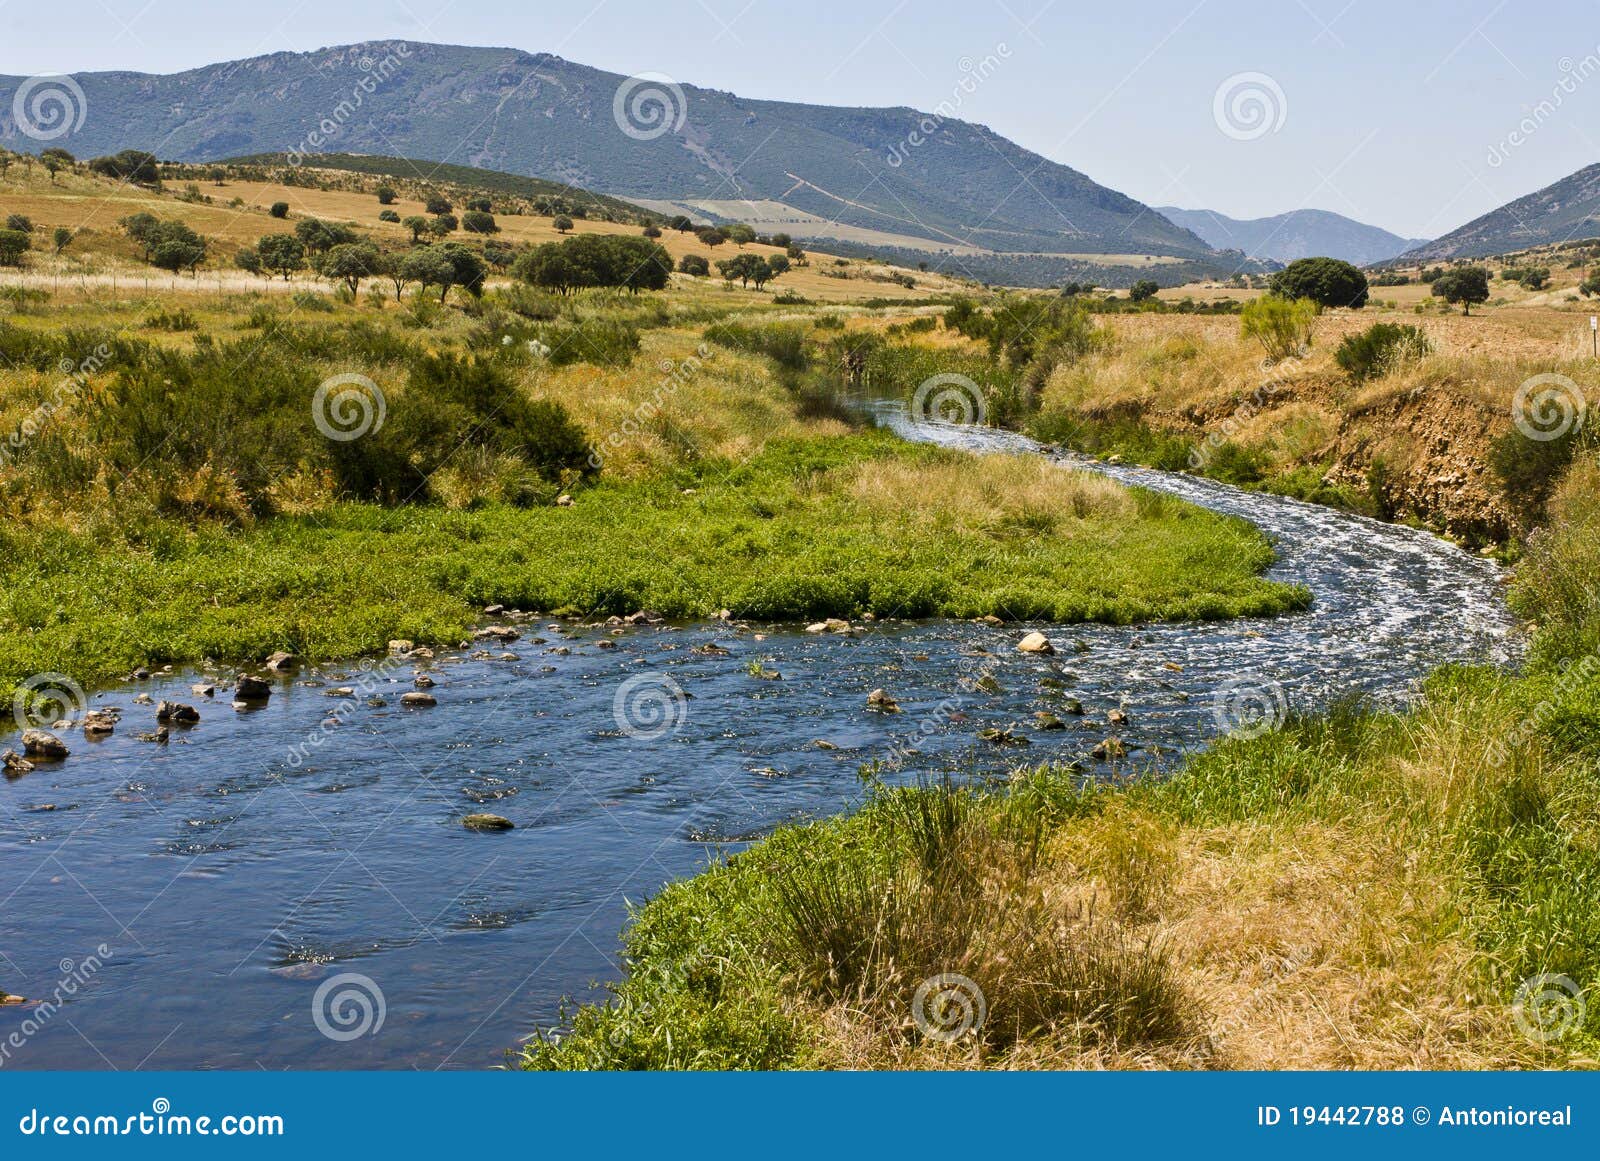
(562,223)
(279,209)
(739,234)
(479,222)
(282,254)
(62,238)
(694,264)
(418,225)
(349,263)
(1465,285)
(437,204)
(386,196)
(55,160)
(1143,290)
(13,245)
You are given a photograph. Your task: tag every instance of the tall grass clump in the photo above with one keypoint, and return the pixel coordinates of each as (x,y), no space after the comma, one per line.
(1380,349)
(1282,326)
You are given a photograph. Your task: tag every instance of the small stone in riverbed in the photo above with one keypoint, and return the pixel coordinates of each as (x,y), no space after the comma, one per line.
(14,764)
(376,702)
(144,699)
(1044,720)
(498,632)
(1035,643)
(423,681)
(1116,717)
(248,687)
(280,662)
(98,723)
(988,684)
(160,735)
(171,711)
(824,745)
(1073,706)
(139,674)
(1110,748)
(487,822)
(605,644)
(879,699)
(418,699)
(1002,737)
(493,610)
(510,656)
(401,645)
(43,744)
(341,691)
(1173,666)
(203,689)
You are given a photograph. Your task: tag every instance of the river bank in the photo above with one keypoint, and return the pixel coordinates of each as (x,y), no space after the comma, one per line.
(1355,888)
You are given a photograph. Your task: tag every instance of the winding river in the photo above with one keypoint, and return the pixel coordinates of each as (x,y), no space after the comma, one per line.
(291,886)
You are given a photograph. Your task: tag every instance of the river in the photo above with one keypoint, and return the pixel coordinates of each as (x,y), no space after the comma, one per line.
(291,886)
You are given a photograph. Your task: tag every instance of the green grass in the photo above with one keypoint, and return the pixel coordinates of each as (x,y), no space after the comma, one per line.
(782,537)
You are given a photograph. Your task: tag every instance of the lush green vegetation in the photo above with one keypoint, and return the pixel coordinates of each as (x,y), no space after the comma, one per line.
(1328,282)
(1433,861)
(807,529)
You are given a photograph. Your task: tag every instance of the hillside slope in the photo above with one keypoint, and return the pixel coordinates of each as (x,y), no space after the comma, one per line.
(962,187)
(1562,212)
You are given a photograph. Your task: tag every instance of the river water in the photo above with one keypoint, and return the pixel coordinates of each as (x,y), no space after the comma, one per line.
(291,885)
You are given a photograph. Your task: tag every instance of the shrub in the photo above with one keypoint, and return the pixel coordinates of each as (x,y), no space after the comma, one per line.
(13,245)
(1143,290)
(694,264)
(478,222)
(1283,327)
(19,222)
(279,209)
(1379,349)
(388,216)
(1464,285)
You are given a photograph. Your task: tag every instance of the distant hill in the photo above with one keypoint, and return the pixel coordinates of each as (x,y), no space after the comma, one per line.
(955,191)
(1296,234)
(1563,212)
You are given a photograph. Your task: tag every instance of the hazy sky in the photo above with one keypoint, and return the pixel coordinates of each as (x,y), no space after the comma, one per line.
(1389,112)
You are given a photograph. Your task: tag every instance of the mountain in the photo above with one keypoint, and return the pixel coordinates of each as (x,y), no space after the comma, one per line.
(1563,212)
(951,191)
(1296,234)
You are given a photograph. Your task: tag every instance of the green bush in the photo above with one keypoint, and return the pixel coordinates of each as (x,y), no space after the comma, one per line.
(1381,348)
(1327,282)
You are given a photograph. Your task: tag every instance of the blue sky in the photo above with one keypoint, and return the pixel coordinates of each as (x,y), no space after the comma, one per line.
(1388,112)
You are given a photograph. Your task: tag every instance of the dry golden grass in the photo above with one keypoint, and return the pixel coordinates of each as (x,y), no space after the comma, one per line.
(989,490)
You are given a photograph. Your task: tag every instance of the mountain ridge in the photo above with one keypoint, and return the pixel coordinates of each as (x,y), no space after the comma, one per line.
(1302,233)
(951,185)
(1565,210)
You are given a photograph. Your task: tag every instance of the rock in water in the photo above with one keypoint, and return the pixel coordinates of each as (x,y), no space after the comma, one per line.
(14,764)
(1035,643)
(43,744)
(99,723)
(418,699)
(879,699)
(1110,748)
(172,711)
(248,687)
(487,822)
(279,662)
